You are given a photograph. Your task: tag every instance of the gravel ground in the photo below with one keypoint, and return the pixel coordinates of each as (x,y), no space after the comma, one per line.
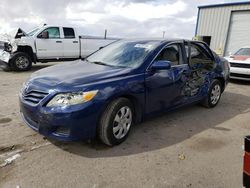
(191,147)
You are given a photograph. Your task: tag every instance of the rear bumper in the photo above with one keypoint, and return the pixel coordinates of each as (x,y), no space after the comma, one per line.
(240,73)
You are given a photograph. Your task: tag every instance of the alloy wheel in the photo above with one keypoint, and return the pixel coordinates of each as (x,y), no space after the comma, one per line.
(122,122)
(22,62)
(215,94)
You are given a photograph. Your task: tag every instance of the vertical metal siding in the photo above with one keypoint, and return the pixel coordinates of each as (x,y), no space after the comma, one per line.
(238,35)
(215,22)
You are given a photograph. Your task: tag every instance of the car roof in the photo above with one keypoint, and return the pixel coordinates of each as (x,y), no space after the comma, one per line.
(160,40)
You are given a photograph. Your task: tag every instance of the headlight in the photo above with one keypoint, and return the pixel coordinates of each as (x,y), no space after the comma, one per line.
(7,47)
(67,99)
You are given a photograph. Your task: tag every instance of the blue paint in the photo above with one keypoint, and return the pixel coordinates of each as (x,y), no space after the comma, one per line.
(152,91)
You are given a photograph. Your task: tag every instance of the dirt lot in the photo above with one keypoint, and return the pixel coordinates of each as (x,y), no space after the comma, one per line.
(192,147)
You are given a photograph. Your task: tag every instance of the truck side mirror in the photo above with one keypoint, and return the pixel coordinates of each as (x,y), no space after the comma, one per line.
(44,35)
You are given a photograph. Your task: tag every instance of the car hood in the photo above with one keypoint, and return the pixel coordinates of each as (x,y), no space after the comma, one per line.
(75,74)
(239,59)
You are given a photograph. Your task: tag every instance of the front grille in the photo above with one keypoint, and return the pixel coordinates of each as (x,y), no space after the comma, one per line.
(240,65)
(239,75)
(34,96)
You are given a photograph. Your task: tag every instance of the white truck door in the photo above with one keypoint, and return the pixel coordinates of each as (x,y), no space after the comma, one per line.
(50,47)
(71,46)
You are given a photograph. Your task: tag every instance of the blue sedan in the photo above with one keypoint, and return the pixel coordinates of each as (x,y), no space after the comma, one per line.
(105,94)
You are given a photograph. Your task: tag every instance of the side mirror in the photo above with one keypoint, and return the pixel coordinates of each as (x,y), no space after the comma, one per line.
(44,35)
(161,65)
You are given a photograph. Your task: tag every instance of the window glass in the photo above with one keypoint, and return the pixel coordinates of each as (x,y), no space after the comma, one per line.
(243,51)
(171,53)
(199,57)
(123,53)
(68,33)
(53,32)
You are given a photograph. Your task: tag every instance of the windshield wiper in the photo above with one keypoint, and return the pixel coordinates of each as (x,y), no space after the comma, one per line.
(100,63)
(105,64)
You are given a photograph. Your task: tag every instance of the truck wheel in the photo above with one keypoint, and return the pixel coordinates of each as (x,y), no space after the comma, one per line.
(7,68)
(214,94)
(116,122)
(20,62)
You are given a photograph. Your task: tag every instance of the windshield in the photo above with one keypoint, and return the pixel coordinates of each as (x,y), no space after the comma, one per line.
(32,32)
(243,51)
(123,53)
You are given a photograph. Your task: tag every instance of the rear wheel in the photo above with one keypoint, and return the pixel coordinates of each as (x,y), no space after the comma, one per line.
(20,62)
(116,122)
(214,94)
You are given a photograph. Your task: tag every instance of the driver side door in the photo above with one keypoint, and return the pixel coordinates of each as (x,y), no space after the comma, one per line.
(164,87)
(51,47)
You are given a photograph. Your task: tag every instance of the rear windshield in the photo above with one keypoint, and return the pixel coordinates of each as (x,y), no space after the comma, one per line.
(243,51)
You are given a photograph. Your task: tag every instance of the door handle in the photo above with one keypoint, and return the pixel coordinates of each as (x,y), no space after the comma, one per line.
(75,41)
(58,41)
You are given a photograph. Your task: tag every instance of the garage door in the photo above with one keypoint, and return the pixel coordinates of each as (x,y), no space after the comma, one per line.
(239,31)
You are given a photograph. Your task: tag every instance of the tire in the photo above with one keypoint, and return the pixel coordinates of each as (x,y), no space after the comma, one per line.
(116,122)
(214,94)
(20,62)
(7,68)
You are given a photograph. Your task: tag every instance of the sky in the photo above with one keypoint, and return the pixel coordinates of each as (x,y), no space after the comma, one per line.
(121,18)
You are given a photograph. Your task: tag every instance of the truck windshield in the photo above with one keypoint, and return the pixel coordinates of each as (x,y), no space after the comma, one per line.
(32,32)
(123,53)
(243,51)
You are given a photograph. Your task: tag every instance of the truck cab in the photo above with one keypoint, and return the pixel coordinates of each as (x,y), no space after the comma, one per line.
(50,43)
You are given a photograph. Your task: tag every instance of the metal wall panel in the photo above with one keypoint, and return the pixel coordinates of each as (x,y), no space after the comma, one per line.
(215,22)
(239,32)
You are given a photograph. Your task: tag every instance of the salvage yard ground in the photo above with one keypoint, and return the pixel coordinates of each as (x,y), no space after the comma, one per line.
(191,147)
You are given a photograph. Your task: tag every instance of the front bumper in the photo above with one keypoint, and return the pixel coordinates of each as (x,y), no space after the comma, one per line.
(240,73)
(69,124)
(4,58)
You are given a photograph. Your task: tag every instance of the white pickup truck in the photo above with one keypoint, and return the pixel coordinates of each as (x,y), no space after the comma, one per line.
(46,44)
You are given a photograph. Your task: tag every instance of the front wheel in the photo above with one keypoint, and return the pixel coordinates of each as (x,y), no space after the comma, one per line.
(214,95)
(116,122)
(20,62)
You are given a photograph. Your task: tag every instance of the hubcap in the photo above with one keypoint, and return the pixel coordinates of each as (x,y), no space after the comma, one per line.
(22,62)
(122,122)
(215,94)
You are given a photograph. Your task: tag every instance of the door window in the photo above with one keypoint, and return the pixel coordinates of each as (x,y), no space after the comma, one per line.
(199,58)
(68,33)
(171,53)
(54,32)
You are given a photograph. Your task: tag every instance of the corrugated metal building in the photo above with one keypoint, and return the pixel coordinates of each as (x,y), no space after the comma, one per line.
(225,27)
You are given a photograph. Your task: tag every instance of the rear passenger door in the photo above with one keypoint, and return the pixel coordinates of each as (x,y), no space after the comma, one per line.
(201,64)
(71,46)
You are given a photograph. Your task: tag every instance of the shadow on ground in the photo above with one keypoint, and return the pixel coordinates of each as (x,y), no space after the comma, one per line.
(40,66)
(166,130)
(240,82)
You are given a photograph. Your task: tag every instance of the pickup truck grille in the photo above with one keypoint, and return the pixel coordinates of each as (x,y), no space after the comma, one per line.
(240,65)
(34,96)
